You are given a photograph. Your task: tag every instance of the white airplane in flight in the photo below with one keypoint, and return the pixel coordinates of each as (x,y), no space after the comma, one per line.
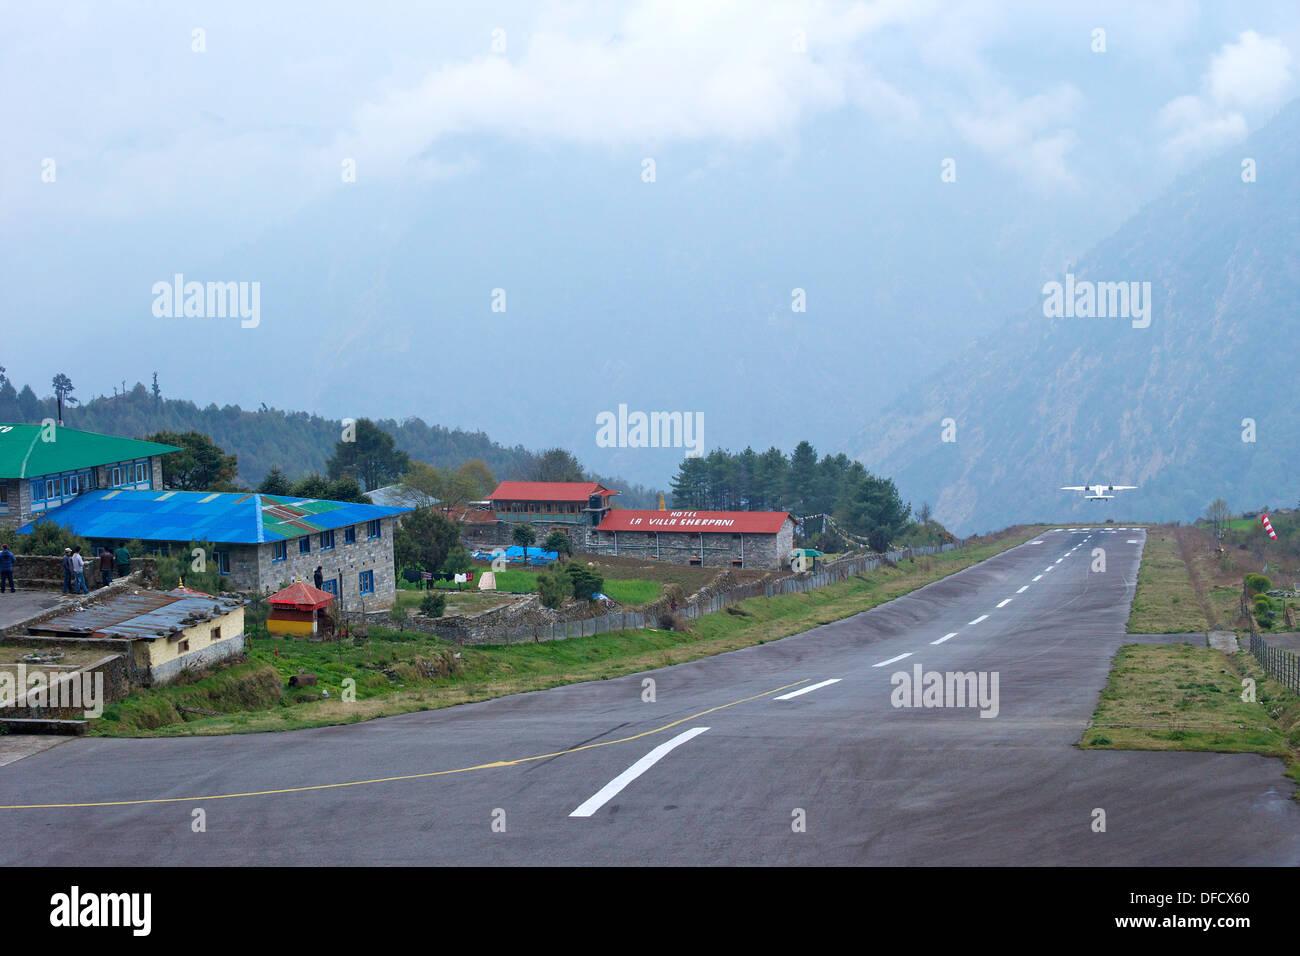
(1098,492)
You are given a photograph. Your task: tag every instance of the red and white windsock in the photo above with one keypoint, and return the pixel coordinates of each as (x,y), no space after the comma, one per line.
(1268,527)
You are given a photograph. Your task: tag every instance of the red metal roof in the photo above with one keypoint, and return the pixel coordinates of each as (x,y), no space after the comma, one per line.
(302,596)
(549,491)
(735,522)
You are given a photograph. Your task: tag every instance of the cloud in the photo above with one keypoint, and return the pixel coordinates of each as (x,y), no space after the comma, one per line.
(729,72)
(1248,76)
(1028,135)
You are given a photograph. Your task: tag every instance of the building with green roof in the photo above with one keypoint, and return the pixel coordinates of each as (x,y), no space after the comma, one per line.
(45,466)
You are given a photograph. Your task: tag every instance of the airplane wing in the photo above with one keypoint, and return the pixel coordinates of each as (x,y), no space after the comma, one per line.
(1121,487)
(1075,488)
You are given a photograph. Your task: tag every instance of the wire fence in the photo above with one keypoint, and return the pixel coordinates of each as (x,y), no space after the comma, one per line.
(831,573)
(1279,663)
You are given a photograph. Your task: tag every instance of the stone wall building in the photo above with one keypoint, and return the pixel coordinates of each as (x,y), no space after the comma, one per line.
(741,539)
(43,467)
(261,543)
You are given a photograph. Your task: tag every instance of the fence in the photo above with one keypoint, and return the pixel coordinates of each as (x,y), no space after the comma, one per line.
(1280,664)
(710,604)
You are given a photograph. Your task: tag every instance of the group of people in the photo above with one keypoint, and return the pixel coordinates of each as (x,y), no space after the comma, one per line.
(111,563)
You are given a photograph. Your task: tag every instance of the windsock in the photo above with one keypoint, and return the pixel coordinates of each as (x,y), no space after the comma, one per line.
(1268,527)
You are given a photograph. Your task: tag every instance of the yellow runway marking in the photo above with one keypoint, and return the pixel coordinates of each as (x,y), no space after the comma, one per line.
(408,776)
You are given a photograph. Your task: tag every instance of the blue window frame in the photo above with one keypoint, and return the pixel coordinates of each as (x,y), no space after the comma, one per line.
(304,544)
(223,561)
(366,582)
(373,529)
(281,552)
(331,585)
(51,491)
(327,540)
(350,534)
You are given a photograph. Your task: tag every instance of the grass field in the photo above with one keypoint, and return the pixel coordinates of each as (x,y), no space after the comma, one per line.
(1165,601)
(629,591)
(399,672)
(1189,697)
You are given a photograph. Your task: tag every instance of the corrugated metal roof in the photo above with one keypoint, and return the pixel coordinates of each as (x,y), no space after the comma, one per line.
(223,518)
(548,491)
(23,453)
(734,522)
(147,615)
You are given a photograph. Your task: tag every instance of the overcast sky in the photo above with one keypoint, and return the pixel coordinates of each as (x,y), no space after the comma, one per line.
(504,146)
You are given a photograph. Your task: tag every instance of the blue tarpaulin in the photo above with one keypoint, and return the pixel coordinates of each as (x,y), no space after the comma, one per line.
(515,555)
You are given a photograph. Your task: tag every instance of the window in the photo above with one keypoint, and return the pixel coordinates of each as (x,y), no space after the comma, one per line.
(223,561)
(350,534)
(215,634)
(141,471)
(304,544)
(281,551)
(331,585)
(183,647)
(116,477)
(51,490)
(327,540)
(366,582)
(373,529)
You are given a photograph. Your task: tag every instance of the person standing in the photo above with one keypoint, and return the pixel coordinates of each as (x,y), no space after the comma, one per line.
(79,571)
(6,568)
(123,560)
(105,566)
(319,578)
(67,571)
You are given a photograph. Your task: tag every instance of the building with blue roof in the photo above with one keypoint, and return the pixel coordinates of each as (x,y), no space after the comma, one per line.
(262,543)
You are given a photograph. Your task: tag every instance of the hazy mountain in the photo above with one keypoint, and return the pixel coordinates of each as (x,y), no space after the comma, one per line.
(294,442)
(1045,402)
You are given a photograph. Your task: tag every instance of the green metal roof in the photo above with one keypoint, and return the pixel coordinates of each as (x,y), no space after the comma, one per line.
(23,453)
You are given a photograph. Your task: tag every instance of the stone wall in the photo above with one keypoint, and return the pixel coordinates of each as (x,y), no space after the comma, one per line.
(710,548)
(44,572)
(343,561)
(113,671)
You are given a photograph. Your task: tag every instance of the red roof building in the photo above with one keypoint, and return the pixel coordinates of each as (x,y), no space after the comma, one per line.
(738,522)
(740,539)
(296,609)
(549,502)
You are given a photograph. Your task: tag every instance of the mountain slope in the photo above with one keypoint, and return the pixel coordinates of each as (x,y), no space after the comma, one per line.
(1046,402)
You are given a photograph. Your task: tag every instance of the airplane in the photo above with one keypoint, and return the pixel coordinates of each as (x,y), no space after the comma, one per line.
(1098,492)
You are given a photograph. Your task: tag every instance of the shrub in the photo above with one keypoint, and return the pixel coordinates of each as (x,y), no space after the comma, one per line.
(1257,583)
(585,581)
(672,621)
(397,614)
(458,561)
(48,537)
(433,604)
(553,587)
(558,541)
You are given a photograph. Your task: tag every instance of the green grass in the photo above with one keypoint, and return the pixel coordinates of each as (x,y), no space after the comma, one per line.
(1188,697)
(1164,602)
(632,591)
(391,671)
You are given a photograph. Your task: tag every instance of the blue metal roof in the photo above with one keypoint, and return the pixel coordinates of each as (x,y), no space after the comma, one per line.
(219,517)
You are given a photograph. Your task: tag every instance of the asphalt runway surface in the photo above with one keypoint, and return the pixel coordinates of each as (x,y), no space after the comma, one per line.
(792,752)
